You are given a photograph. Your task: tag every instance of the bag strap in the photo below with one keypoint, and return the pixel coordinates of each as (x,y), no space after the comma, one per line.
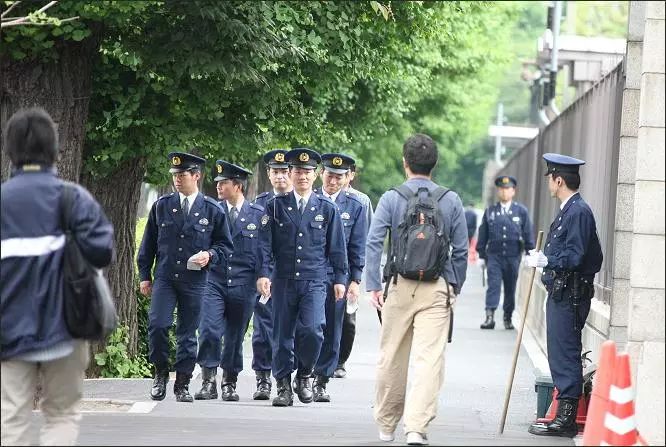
(438,193)
(66,201)
(404,191)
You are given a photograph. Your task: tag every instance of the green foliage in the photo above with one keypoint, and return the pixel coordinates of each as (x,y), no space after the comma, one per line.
(597,18)
(114,361)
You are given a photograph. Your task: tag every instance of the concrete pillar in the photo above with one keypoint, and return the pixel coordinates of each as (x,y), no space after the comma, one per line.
(645,307)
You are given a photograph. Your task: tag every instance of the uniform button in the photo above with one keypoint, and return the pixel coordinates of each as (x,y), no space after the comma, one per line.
(162,224)
(503,244)
(300,234)
(300,248)
(319,226)
(229,268)
(548,244)
(176,275)
(298,260)
(504,236)
(182,236)
(229,281)
(298,274)
(503,228)
(231,255)
(180,249)
(281,224)
(177,262)
(252,235)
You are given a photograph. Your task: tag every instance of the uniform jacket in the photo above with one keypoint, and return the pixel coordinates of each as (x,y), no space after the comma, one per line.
(505,234)
(367,204)
(302,245)
(572,244)
(240,267)
(353,215)
(31,300)
(171,238)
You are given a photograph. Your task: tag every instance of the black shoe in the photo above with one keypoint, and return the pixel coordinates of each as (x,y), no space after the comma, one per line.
(303,389)
(208,385)
(229,393)
(263,386)
(490,320)
(319,389)
(340,372)
(563,425)
(181,387)
(507,322)
(158,391)
(285,397)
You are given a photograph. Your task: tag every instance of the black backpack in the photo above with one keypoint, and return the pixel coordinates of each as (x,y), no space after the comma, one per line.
(90,313)
(421,245)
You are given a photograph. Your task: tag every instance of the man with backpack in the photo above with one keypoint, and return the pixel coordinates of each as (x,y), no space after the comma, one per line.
(425,270)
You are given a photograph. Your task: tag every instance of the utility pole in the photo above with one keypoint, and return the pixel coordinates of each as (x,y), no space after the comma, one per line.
(498,137)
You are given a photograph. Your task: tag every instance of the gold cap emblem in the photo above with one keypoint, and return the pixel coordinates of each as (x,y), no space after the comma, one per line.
(337,161)
(175,161)
(279,157)
(220,168)
(304,157)
(505,180)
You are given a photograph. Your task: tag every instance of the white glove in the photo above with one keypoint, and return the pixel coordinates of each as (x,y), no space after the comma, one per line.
(536,259)
(480,262)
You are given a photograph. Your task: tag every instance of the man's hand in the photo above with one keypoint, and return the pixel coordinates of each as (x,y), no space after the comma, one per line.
(146,288)
(339,290)
(202,258)
(264,286)
(377,299)
(353,292)
(536,259)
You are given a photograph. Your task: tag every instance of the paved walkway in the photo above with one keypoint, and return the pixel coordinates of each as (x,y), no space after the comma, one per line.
(470,404)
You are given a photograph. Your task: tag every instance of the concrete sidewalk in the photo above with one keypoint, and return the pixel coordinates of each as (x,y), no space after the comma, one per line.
(470,404)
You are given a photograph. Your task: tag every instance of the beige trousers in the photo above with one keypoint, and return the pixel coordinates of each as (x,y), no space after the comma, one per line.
(415,319)
(62,385)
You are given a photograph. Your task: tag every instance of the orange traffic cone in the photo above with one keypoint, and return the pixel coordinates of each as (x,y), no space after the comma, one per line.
(620,421)
(594,427)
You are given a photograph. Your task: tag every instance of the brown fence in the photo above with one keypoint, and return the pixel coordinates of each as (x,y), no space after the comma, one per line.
(589,129)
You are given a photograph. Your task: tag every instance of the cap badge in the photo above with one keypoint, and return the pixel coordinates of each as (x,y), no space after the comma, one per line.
(251,227)
(220,168)
(304,157)
(337,161)
(279,157)
(319,218)
(175,161)
(505,180)
(203,221)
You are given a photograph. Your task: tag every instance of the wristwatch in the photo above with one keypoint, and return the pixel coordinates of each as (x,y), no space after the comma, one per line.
(210,253)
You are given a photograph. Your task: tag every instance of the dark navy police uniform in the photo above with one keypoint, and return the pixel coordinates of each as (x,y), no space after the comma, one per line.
(574,257)
(504,235)
(169,240)
(230,295)
(303,246)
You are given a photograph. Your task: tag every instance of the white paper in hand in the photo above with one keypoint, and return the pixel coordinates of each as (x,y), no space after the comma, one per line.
(191,265)
(264,299)
(352,306)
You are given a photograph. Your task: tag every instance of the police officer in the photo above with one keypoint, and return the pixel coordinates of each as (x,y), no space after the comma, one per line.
(230,297)
(303,232)
(335,171)
(349,319)
(185,233)
(262,334)
(570,259)
(505,232)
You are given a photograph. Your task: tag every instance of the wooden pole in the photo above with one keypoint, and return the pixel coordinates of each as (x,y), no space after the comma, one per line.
(516,350)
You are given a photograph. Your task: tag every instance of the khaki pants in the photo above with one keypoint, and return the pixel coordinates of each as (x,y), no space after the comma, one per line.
(418,324)
(62,385)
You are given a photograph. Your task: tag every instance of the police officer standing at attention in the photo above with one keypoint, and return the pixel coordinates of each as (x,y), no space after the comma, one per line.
(335,169)
(262,334)
(505,232)
(303,232)
(570,259)
(181,225)
(231,294)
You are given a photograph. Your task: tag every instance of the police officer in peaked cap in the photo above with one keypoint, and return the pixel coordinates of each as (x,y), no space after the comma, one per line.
(303,233)
(186,232)
(570,259)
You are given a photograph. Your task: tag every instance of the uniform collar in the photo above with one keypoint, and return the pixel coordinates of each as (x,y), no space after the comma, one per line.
(239,207)
(192,197)
(298,197)
(564,202)
(333,197)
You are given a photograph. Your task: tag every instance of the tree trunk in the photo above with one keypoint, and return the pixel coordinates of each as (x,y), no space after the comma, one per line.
(118,193)
(62,87)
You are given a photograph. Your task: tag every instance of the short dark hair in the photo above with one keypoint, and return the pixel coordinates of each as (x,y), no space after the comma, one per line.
(571,179)
(31,137)
(240,182)
(420,154)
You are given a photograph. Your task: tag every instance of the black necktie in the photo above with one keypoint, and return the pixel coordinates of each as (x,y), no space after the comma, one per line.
(301,205)
(186,206)
(234,214)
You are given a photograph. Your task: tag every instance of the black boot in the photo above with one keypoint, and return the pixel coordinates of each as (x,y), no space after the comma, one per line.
(507,322)
(208,385)
(181,387)
(319,389)
(490,319)
(158,391)
(285,397)
(303,388)
(229,393)
(263,386)
(563,425)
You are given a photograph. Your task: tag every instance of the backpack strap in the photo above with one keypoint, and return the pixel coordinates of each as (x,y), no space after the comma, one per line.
(404,191)
(438,193)
(66,201)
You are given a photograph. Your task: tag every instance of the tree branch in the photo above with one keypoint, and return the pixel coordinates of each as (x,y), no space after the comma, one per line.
(23,21)
(15,21)
(12,6)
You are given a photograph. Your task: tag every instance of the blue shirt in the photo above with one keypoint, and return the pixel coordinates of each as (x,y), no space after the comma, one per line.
(388,215)
(303,246)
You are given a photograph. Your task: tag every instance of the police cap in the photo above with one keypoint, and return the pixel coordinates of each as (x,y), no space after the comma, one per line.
(561,163)
(225,171)
(506,181)
(276,159)
(337,163)
(303,157)
(182,161)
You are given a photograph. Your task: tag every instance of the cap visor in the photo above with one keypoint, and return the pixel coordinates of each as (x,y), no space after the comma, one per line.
(304,166)
(278,165)
(175,170)
(336,170)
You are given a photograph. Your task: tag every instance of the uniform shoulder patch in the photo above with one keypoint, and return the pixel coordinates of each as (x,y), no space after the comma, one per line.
(257,207)
(165,196)
(354,197)
(263,194)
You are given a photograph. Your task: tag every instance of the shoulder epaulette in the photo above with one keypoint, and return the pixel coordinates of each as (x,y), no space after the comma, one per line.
(263,194)
(165,196)
(256,206)
(354,197)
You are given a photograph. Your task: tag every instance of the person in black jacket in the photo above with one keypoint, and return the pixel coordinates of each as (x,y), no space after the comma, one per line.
(35,339)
